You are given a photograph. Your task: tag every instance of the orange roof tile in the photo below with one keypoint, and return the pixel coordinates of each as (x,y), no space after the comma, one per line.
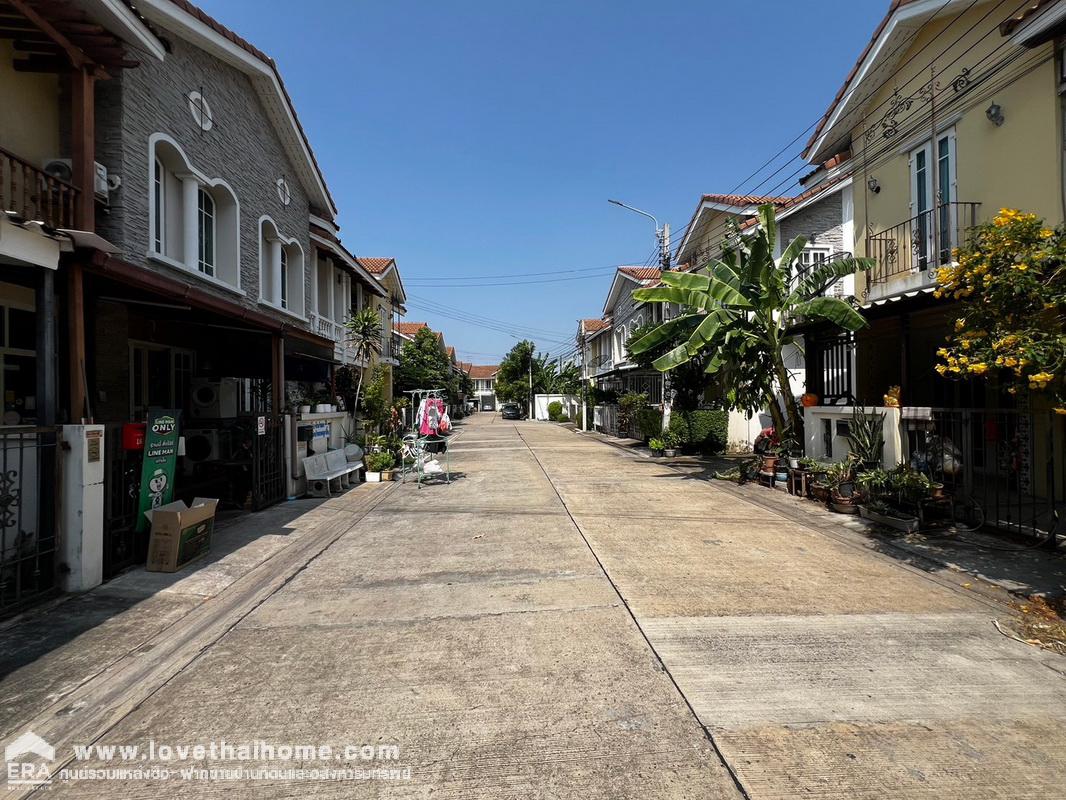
(593,325)
(375,265)
(484,371)
(742,199)
(409,328)
(642,273)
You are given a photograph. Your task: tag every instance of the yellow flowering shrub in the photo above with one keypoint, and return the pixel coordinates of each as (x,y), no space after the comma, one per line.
(1011,278)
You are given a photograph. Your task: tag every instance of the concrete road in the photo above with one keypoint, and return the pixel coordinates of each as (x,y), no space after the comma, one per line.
(568,620)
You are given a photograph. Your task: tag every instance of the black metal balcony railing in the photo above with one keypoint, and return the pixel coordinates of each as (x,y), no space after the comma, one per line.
(34,194)
(924,242)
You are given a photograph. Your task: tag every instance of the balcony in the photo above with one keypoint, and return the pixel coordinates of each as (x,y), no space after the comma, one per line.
(844,287)
(908,254)
(34,194)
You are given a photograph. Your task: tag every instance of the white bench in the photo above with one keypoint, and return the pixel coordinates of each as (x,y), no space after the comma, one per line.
(329,472)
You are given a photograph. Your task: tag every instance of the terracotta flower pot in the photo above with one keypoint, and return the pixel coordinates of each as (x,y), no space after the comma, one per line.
(809,400)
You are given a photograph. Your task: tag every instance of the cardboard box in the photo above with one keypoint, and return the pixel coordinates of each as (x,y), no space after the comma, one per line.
(180,533)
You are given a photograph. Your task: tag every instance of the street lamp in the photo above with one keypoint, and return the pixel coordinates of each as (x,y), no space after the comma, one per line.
(663,236)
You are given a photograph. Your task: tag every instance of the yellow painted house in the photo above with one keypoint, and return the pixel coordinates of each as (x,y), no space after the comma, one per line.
(953,111)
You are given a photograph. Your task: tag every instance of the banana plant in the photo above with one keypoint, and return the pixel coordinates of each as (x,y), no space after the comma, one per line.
(739,314)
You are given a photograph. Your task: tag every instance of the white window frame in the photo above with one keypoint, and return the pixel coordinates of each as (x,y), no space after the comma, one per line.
(930,150)
(206,260)
(284,267)
(159,208)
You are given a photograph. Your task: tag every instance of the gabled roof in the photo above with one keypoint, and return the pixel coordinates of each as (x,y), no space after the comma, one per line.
(593,325)
(800,201)
(409,328)
(484,371)
(643,276)
(382,268)
(200,29)
(376,265)
(737,204)
(880,56)
(740,200)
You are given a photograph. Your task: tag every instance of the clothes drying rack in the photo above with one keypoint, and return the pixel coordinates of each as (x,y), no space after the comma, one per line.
(418,449)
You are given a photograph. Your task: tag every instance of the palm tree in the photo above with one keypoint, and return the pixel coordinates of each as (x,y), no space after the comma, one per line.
(364,338)
(741,313)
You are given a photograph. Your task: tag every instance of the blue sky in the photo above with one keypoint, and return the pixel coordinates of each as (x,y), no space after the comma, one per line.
(483,138)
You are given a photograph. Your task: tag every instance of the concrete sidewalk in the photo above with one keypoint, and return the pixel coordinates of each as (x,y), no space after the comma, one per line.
(562,620)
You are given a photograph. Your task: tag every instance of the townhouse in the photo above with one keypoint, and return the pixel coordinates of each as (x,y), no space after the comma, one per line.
(483,377)
(970,122)
(170,244)
(52,190)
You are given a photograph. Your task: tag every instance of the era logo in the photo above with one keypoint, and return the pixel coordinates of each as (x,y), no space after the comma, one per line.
(26,772)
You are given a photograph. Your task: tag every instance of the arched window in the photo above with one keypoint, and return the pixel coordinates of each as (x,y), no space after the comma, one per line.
(284,278)
(159,211)
(206,233)
(281,269)
(193,220)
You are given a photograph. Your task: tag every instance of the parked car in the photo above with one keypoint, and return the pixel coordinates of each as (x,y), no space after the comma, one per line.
(511,411)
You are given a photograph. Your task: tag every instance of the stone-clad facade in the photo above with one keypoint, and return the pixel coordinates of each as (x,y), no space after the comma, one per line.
(821,222)
(241,147)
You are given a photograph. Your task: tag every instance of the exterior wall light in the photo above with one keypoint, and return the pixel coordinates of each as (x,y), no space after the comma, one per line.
(995,114)
(875,187)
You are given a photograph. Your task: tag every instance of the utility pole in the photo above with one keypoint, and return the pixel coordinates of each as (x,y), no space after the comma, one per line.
(662,236)
(531,351)
(668,392)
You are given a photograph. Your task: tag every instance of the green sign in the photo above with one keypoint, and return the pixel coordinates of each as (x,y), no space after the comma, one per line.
(160,458)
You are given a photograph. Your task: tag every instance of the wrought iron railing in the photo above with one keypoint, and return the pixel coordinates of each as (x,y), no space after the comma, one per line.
(34,194)
(601,363)
(27,516)
(921,243)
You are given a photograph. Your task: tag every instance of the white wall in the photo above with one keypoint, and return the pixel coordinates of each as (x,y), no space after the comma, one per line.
(571,405)
(813,429)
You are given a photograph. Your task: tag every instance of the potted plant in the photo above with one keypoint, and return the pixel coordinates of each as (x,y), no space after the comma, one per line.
(866,438)
(670,442)
(809,400)
(842,495)
(882,513)
(657,446)
(377,463)
(910,485)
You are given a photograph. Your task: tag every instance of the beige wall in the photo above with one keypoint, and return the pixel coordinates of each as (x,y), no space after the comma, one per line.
(29,122)
(1018,164)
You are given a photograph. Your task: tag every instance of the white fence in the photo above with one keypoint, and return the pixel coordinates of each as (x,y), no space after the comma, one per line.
(605,418)
(571,405)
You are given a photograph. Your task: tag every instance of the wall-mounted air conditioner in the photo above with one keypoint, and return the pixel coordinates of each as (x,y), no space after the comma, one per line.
(62,168)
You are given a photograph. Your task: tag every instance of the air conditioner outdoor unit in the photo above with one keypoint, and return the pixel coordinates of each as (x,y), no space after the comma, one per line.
(215,399)
(202,445)
(62,168)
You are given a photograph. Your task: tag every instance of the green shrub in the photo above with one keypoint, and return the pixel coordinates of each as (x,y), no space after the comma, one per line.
(706,431)
(555,410)
(563,418)
(378,462)
(649,422)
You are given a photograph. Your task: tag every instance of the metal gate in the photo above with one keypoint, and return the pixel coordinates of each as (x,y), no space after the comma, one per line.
(27,516)
(267,437)
(122,479)
(1011,462)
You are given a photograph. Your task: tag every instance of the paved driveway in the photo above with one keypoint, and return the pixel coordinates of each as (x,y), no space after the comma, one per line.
(568,620)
